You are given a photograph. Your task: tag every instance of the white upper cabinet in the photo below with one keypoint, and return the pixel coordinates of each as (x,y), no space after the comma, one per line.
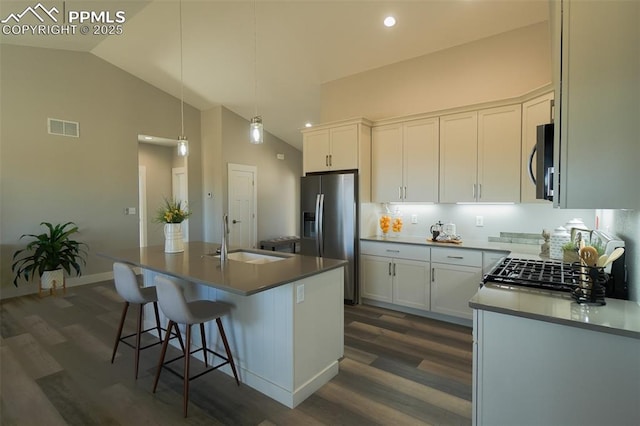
(499,145)
(597,88)
(480,155)
(340,147)
(404,161)
(458,157)
(534,113)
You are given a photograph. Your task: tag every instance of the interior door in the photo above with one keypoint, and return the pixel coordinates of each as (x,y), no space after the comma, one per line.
(242,206)
(181,192)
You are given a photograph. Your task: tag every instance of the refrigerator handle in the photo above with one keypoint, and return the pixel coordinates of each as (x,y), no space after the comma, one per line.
(320,223)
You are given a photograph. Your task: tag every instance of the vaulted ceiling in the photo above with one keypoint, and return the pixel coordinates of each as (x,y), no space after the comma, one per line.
(300,45)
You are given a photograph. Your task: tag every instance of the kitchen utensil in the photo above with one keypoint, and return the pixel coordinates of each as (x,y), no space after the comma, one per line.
(589,256)
(602,260)
(614,255)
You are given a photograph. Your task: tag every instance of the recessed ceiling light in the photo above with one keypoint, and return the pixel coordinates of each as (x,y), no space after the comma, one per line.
(308,125)
(389,21)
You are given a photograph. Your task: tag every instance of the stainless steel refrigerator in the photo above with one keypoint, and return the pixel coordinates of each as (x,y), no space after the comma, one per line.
(329,223)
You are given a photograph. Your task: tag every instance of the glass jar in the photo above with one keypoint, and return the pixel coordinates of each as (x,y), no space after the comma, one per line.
(385,223)
(396,223)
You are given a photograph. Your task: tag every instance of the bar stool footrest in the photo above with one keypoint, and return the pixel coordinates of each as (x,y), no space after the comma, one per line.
(172,335)
(202,373)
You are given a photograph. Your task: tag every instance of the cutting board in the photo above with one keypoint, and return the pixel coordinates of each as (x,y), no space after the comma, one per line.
(445,242)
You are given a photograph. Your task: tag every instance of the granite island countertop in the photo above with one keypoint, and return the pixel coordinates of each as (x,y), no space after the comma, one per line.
(198,264)
(621,317)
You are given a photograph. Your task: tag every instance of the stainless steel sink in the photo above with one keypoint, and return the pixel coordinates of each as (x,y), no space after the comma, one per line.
(252,257)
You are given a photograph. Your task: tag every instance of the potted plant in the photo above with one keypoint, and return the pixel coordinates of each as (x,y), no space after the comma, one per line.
(172,214)
(49,255)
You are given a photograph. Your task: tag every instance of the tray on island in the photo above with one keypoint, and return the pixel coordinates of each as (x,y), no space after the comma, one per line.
(431,240)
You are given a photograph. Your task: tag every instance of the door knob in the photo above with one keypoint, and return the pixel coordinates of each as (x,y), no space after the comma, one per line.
(235,221)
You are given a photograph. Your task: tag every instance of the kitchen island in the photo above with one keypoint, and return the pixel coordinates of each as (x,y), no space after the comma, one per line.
(286,324)
(541,358)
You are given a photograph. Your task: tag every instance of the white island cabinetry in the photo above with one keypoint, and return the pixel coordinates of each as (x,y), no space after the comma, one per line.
(286,321)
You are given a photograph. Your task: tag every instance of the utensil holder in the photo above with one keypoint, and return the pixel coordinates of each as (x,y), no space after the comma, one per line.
(591,286)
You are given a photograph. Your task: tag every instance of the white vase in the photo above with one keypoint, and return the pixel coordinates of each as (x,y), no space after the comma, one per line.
(173,241)
(52,279)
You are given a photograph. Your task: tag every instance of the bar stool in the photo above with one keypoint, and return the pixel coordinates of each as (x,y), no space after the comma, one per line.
(127,287)
(179,311)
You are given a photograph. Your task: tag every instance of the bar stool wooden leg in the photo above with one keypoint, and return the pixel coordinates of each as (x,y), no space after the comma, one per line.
(187,357)
(226,348)
(165,343)
(177,329)
(138,329)
(204,345)
(155,310)
(124,315)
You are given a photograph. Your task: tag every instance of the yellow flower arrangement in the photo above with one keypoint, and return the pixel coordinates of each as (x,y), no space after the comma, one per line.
(172,212)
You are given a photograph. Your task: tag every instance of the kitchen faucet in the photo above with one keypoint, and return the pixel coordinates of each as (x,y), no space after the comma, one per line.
(225,232)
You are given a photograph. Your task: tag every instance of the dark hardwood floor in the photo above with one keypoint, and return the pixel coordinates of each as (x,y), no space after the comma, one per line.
(55,370)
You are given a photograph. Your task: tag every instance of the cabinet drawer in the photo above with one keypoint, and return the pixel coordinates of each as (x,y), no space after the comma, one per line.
(457,256)
(404,251)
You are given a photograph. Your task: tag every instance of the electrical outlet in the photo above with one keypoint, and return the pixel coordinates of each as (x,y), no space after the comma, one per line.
(414,218)
(479,221)
(300,293)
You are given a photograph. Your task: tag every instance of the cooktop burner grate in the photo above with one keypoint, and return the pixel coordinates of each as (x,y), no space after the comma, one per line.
(547,274)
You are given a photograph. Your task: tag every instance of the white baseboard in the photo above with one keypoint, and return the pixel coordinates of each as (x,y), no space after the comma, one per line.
(10,291)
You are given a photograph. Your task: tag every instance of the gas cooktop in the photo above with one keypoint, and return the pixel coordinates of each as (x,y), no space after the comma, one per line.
(545,274)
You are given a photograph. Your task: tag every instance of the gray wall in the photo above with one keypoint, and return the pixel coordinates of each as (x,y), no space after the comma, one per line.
(90,179)
(226,140)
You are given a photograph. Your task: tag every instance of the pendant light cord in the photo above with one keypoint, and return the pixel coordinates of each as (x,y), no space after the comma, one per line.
(181,79)
(255,60)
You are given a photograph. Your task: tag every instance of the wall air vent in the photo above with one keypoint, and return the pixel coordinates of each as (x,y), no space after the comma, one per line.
(63,127)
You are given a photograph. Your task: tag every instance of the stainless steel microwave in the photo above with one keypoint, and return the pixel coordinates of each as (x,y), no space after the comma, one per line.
(543,174)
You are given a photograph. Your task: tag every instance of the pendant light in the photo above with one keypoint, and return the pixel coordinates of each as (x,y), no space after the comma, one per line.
(183,143)
(255,126)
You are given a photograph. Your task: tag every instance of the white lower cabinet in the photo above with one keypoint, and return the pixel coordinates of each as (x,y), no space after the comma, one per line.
(395,273)
(402,275)
(455,278)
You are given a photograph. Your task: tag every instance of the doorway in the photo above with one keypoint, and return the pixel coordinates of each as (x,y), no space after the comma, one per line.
(242,204)
(180,191)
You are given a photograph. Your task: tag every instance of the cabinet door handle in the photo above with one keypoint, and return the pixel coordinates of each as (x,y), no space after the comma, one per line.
(479,191)
(473,191)
(399,193)
(394,269)
(326,160)
(455,257)
(404,192)
(331,159)
(433,274)
(392,251)
(389,268)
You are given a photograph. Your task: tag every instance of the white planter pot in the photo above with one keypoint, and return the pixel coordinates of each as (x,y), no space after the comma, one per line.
(173,240)
(52,279)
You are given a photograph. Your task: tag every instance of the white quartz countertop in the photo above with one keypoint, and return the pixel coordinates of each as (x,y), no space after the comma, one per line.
(514,250)
(196,264)
(621,317)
